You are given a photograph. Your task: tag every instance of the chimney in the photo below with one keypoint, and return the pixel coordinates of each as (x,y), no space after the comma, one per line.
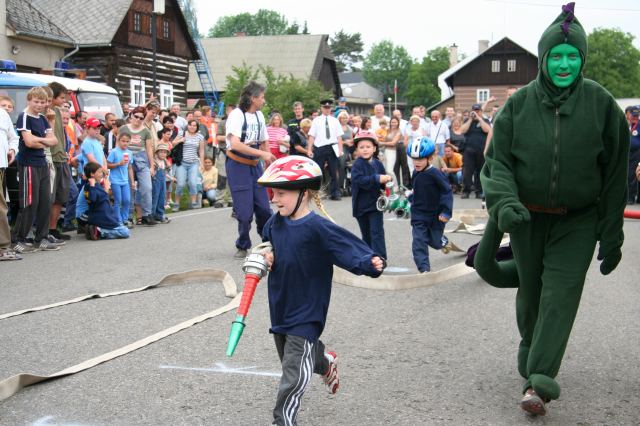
(482,46)
(453,55)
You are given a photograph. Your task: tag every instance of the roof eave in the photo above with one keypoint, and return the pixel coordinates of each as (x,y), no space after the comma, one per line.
(40,39)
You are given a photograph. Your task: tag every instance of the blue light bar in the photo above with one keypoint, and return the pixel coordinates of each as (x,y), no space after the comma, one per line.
(61,65)
(7,65)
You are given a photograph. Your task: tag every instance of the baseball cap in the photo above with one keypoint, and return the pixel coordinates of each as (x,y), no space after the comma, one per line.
(476,107)
(342,99)
(93,122)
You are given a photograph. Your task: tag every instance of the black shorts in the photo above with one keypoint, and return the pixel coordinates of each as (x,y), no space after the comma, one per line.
(61,183)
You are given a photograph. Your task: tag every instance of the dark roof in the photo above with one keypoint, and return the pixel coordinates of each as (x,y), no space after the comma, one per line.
(88,22)
(351,77)
(27,20)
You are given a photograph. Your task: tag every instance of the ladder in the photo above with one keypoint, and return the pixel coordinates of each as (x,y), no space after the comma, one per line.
(202,65)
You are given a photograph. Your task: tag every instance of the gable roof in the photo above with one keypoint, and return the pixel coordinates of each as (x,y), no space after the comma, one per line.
(445,79)
(351,77)
(88,22)
(300,55)
(27,21)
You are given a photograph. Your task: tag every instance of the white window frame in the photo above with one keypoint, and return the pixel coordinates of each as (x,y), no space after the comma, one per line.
(511,65)
(495,65)
(137,22)
(137,92)
(166,29)
(166,96)
(482,95)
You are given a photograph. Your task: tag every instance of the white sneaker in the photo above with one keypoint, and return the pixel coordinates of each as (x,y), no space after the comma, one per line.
(331,380)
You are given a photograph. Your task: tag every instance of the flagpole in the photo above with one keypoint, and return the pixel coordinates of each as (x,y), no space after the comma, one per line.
(395,95)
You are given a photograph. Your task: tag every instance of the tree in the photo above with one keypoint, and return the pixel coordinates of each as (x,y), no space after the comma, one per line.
(282,90)
(264,22)
(614,62)
(386,63)
(347,50)
(422,82)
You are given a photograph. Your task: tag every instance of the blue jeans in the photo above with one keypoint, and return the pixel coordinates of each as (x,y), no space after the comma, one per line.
(372,229)
(425,234)
(70,208)
(110,234)
(121,200)
(187,172)
(159,194)
(440,148)
(210,195)
(81,202)
(143,176)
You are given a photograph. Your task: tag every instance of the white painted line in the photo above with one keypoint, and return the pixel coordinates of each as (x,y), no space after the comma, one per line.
(395,269)
(221,368)
(48,420)
(205,211)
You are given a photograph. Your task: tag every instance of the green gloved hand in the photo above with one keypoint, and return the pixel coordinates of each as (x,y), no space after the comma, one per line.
(609,260)
(512,216)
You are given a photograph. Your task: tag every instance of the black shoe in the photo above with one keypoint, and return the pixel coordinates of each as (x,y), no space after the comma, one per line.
(148,220)
(335,198)
(218,205)
(240,254)
(465,195)
(229,204)
(479,195)
(59,235)
(69,228)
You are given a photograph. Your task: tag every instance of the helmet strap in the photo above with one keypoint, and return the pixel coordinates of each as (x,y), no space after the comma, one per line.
(299,202)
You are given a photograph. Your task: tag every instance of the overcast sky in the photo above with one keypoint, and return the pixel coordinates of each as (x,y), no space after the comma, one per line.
(421,27)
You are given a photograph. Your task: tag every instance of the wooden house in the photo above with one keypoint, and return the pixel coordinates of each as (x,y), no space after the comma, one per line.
(489,73)
(114,45)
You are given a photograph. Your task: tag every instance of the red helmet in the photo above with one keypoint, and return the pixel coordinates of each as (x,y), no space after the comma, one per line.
(292,172)
(365,136)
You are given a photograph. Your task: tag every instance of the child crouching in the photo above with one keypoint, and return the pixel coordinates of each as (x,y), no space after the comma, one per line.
(305,248)
(102,221)
(431,203)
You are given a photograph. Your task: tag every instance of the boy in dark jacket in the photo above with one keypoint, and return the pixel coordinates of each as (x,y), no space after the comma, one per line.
(431,203)
(102,221)
(367,179)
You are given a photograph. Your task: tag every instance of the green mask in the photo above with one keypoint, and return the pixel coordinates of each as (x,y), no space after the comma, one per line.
(564,64)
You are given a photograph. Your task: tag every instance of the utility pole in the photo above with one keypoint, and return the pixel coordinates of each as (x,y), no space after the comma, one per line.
(158,9)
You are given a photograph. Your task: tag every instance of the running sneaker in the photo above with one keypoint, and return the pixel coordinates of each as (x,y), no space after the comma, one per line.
(331,380)
(46,245)
(532,403)
(24,247)
(56,241)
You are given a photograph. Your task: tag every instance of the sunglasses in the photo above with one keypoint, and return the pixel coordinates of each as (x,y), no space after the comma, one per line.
(139,117)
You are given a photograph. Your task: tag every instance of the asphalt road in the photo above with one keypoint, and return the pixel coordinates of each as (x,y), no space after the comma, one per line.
(439,355)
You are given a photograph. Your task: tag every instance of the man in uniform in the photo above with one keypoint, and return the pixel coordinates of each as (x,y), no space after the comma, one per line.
(325,136)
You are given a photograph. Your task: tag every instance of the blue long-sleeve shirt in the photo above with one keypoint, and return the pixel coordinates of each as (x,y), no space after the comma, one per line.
(432,195)
(365,185)
(305,251)
(100,210)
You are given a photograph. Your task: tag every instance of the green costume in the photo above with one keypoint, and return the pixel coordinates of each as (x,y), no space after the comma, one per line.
(555,180)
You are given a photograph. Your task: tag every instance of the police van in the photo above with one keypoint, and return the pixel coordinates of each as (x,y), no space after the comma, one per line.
(94,98)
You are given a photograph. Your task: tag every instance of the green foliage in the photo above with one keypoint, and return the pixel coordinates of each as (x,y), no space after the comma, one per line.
(282,90)
(422,82)
(386,63)
(347,50)
(614,62)
(264,22)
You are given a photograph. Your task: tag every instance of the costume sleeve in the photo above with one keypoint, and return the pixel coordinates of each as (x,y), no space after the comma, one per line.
(347,251)
(497,177)
(359,178)
(613,196)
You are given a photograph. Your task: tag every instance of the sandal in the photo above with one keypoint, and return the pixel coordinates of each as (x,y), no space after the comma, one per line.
(9,255)
(532,403)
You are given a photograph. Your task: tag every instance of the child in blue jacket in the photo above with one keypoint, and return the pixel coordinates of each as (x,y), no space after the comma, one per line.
(102,220)
(305,248)
(367,180)
(431,203)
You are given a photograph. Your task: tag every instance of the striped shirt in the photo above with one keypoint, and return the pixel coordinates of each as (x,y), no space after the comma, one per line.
(191,147)
(275,135)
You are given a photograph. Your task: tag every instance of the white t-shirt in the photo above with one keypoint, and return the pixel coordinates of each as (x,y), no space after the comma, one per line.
(318,130)
(375,122)
(181,124)
(439,133)
(255,133)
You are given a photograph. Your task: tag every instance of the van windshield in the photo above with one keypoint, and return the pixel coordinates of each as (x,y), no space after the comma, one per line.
(19,96)
(98,104)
